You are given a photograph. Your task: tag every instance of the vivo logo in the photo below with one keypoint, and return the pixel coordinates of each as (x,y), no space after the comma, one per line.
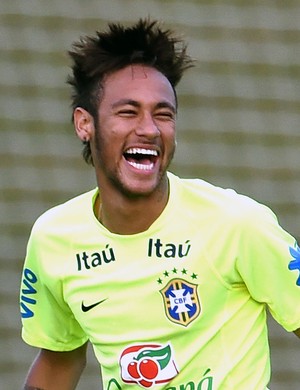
(27,299)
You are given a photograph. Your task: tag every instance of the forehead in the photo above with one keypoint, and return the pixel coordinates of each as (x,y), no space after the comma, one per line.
(137,81)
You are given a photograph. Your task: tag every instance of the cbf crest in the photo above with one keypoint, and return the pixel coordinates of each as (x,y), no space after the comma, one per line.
(181,300)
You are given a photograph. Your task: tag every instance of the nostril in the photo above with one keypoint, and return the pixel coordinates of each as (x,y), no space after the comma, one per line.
(148,130)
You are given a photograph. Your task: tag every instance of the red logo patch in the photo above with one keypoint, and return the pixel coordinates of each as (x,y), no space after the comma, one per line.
(148,364)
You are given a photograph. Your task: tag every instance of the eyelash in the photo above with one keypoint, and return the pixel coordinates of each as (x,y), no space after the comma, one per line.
(165,115)
(127,112)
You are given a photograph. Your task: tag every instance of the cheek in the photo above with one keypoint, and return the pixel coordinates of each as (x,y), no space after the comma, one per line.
(170,136)
(169,143)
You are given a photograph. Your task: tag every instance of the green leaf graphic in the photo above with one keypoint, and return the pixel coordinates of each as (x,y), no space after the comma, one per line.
(162,355)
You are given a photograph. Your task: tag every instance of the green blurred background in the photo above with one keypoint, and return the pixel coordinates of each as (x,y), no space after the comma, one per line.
(238,126)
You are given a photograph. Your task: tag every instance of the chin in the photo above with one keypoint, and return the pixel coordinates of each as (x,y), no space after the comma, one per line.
(136,187)
(140,191)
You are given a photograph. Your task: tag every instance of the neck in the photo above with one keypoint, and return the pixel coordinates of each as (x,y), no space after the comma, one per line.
(123,215)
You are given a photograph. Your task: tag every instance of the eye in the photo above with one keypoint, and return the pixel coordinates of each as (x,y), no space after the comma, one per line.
(127,112)
(165,115)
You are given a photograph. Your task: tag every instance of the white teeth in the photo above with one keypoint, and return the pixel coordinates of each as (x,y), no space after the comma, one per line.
(145,152)
(142,151)
(141,166)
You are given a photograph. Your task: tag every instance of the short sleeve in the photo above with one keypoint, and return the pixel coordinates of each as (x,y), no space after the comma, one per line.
(269,265)
(47,321)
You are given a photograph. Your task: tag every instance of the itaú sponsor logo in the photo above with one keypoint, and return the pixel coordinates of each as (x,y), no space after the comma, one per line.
(148,364)
(157,248)
(88,261)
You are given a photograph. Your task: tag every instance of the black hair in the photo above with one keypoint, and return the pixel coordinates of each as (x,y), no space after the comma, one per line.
(106,52)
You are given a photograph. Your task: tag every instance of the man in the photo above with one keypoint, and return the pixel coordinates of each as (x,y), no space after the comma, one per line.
(169,279)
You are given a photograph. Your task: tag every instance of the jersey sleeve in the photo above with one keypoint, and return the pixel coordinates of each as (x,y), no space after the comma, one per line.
(269,264)
(47,321)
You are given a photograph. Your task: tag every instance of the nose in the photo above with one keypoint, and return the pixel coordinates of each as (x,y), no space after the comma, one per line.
(147,127)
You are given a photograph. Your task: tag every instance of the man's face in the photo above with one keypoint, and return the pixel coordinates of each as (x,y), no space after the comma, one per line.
(134,140)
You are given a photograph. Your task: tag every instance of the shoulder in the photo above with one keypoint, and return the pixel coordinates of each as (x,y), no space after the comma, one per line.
(221,202)
(66,214)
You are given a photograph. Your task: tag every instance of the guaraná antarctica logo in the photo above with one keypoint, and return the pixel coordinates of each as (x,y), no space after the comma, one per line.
(148,364)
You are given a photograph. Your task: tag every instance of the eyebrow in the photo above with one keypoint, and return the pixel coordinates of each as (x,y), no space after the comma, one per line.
(134,103)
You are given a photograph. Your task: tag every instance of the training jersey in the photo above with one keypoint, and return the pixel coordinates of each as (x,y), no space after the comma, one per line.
(181,305)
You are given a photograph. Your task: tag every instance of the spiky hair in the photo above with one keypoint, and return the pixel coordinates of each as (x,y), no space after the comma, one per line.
(145,43)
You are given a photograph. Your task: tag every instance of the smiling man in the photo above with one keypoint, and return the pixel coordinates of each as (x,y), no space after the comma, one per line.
(168,278)
(132,143)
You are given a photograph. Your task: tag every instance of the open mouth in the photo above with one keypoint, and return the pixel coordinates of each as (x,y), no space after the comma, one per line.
(140,158)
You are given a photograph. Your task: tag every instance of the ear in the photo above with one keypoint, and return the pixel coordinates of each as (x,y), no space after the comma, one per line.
(84,124)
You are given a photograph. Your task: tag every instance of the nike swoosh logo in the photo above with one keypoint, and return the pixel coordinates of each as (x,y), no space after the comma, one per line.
(89,307)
